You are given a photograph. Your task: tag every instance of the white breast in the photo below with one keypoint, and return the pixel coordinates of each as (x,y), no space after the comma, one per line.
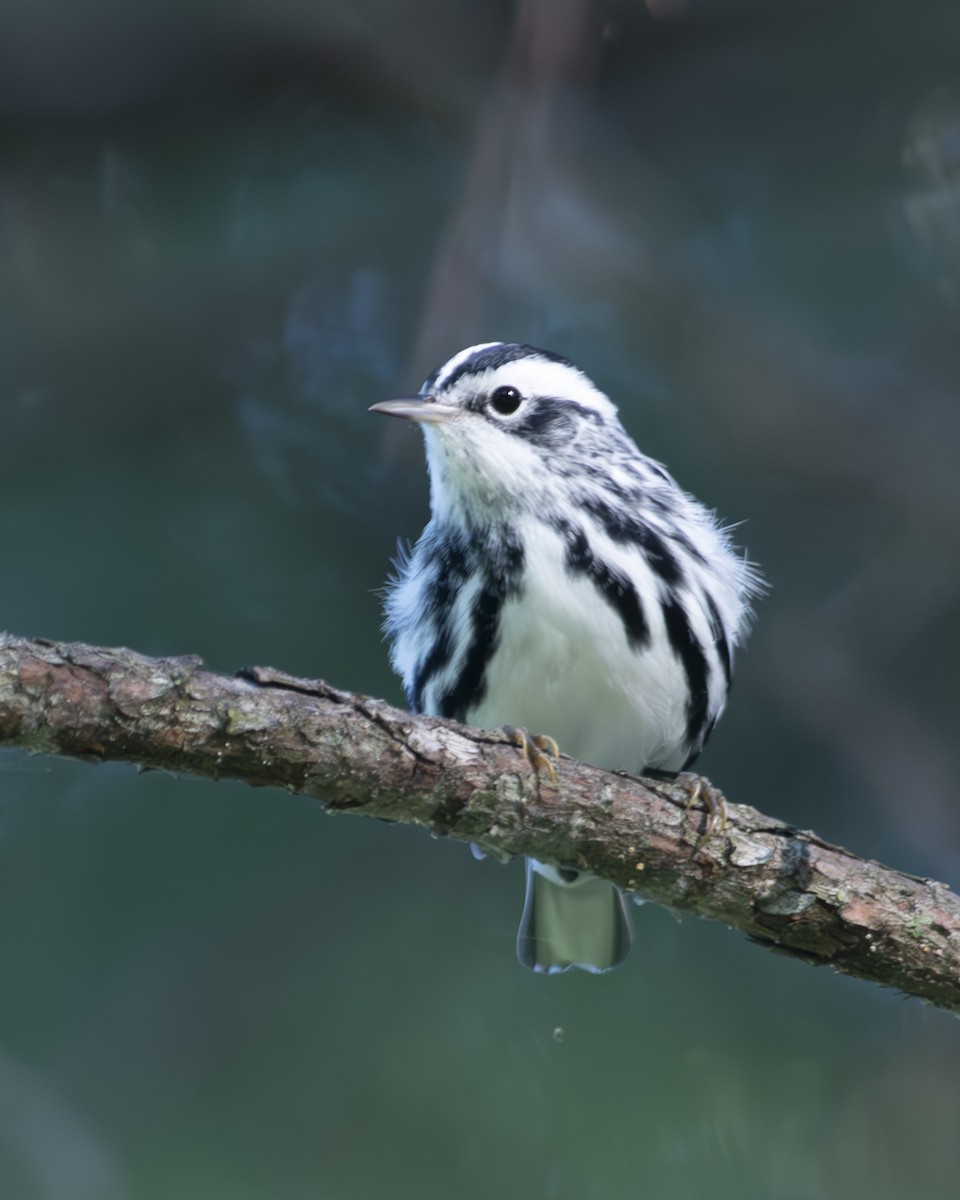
(563,667)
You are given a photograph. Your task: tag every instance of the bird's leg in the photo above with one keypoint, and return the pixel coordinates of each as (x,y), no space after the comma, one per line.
(541,751)
(715,805)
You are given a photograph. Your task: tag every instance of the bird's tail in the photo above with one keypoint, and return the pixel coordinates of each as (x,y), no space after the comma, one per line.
(577,922)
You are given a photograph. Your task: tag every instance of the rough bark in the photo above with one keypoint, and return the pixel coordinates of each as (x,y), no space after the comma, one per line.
(779,885)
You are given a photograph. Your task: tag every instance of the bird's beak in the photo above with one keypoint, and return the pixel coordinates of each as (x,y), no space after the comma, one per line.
(424,409)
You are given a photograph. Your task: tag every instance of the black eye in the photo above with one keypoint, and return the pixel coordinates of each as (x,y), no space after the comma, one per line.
(506,400)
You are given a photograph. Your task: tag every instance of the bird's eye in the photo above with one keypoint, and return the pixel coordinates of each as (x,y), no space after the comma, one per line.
(505,400)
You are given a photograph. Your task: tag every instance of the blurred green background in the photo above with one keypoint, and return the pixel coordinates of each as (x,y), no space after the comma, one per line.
(225,231)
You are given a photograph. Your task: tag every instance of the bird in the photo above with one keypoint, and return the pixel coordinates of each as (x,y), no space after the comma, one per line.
(564,584)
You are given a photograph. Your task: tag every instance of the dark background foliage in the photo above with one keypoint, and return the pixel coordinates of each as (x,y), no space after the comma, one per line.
(225,231)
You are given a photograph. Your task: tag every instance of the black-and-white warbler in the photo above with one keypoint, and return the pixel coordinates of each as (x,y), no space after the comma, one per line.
(565,585)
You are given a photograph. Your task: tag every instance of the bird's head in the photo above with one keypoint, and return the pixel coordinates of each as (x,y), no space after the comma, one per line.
(500,420)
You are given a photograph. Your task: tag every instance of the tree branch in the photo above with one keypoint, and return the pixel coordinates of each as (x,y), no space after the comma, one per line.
(779,885)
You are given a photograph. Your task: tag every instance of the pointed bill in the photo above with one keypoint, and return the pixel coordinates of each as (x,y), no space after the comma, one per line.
(417,408)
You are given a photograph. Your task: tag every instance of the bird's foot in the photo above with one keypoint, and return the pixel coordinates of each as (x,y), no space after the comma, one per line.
(541,751)
(716,808)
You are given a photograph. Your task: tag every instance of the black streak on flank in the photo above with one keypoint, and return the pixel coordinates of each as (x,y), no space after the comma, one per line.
(687,649)
(720,639)
(503,578)
(448,560)
(622,526)
(615,588)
